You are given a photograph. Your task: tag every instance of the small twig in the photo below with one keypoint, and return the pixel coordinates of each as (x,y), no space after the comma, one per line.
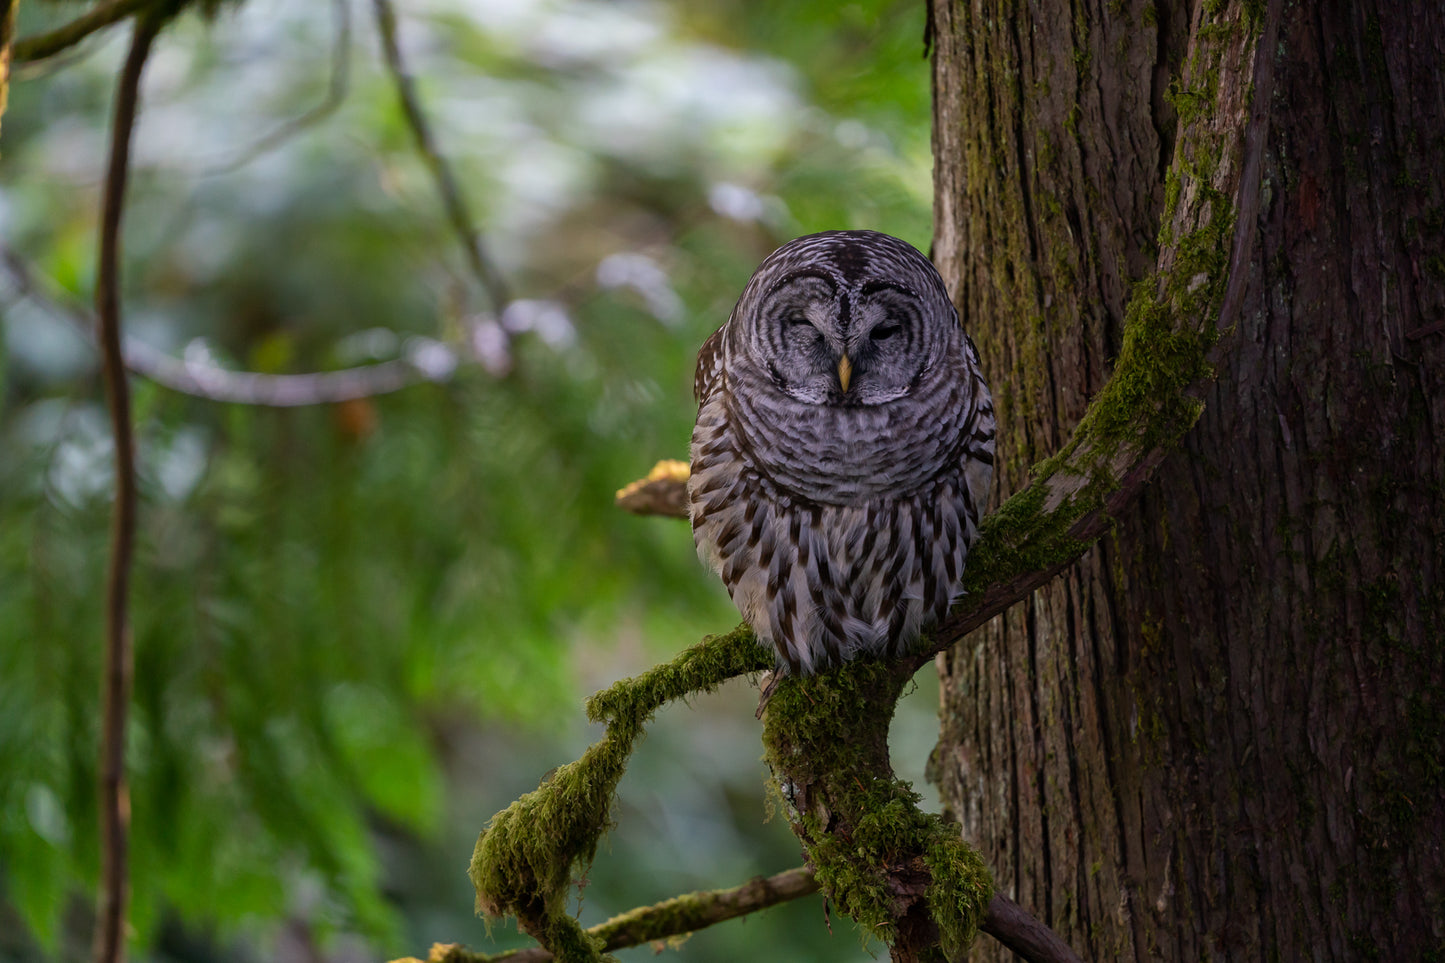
(42,46)
(686,914)
(455,203)
(337,86)
(114,801)
(1425,330)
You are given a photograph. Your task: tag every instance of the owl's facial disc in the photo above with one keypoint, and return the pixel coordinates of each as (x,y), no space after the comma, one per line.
(835,343)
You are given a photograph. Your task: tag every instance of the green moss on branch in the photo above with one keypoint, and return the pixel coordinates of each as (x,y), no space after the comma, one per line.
(524,860)
(900,873)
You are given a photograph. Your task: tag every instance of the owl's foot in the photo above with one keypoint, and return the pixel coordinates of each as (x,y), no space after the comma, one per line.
(769,682)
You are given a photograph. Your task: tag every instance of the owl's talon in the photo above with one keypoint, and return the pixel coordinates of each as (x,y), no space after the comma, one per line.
(769,681)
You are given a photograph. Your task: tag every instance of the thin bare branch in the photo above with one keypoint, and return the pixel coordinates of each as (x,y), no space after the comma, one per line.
(1012,926)
(458,213)
(204,379)
(337,87)
(114,800)
(102,15)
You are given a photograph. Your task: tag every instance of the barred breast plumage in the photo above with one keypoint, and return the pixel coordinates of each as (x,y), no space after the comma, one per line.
(843,449)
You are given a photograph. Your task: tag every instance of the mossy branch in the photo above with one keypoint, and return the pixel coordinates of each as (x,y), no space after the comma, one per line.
(670,918)
(523,861)
(683,915)
(556,828)
(900,873)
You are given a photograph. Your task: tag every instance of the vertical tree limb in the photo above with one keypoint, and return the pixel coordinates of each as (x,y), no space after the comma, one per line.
(116,684)
(902,874)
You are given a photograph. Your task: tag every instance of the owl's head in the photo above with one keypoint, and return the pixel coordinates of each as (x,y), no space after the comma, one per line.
(845,318)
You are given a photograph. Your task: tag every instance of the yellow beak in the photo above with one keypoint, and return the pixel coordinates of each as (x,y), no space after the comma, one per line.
(845,372)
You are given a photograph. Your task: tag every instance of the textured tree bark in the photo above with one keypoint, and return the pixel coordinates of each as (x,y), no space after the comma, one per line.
(1220,734)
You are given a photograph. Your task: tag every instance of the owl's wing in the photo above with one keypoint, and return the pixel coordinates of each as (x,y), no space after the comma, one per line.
(978,434)
(709,366)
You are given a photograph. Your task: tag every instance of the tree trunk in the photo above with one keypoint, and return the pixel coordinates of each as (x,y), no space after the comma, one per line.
(1220,735)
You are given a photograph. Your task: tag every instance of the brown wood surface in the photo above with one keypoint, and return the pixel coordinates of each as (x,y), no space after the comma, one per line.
(1219,735)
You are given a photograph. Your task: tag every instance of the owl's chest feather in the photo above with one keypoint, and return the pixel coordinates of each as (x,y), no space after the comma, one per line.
(825,580)
(842,455)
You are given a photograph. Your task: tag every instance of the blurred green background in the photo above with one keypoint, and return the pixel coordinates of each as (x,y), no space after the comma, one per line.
(361,629)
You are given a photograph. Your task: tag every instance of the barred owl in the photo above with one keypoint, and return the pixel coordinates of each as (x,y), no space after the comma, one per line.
(843,449)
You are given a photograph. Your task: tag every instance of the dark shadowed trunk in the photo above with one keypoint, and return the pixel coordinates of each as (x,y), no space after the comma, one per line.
(1220,735)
